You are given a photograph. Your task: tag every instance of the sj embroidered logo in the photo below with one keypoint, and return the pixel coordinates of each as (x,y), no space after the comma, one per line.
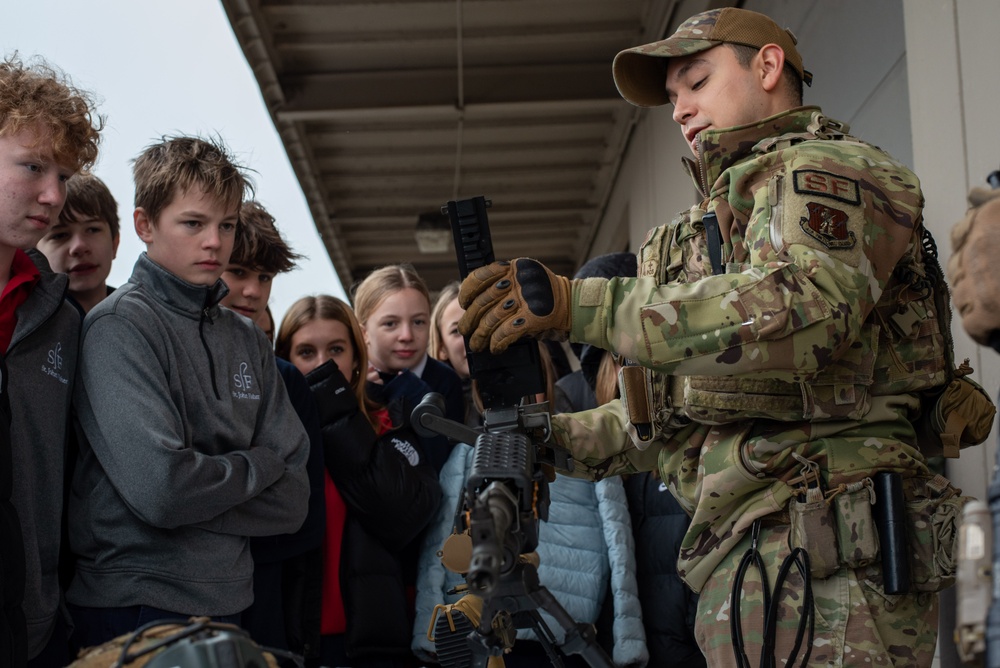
(828,226)
(243,382)
(55,357)
(53,367)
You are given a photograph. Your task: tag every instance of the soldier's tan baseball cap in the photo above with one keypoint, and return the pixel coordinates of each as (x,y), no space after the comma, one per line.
(641,72)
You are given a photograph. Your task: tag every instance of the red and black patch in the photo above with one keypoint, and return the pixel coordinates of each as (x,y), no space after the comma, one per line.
(828,226)
(825,184)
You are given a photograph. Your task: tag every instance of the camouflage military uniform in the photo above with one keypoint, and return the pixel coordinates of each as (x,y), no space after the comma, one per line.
(812,345)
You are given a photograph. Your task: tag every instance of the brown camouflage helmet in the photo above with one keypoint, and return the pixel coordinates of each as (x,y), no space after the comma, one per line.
(641,72)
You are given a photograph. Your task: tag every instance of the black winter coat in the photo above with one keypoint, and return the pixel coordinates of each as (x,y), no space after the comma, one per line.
(288,568)
(668,606)
(13,632)
(391,492)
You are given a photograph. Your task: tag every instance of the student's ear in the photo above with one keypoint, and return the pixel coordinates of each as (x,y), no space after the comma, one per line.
(364,333)
(770,64)
(143,225)
(114,245)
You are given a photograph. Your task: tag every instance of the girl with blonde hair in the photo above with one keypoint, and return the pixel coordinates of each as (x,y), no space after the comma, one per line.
(393,306)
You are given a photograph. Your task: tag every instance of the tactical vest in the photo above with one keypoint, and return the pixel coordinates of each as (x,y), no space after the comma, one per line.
(904,345)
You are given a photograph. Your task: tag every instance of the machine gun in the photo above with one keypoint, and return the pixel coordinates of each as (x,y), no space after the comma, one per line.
(505,496)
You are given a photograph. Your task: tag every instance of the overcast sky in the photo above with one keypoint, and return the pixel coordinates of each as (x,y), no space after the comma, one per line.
(161,67)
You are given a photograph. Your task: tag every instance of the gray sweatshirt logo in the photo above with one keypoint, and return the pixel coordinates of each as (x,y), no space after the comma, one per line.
(244,384)
(54,366)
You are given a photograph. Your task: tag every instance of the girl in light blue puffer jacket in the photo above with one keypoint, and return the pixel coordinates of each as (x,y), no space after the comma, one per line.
(585,546)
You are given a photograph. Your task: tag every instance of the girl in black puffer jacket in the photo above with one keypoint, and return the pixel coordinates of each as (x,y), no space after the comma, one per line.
(380,491)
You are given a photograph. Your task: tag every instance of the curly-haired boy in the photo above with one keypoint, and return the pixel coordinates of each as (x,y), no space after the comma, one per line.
(48,131)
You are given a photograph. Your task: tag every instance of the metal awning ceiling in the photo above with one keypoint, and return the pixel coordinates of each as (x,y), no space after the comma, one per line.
(388,109)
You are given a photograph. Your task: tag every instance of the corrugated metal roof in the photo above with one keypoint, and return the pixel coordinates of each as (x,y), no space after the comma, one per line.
(388,109)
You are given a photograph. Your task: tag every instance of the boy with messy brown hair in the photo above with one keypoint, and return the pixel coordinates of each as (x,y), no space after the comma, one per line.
(288,569)
(191,445)
(84,241)
(259,254)
(48,131)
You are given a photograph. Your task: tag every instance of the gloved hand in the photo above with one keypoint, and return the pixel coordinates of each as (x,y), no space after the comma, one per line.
(975,283)
(507,300)
(334,395)
(406,385)
(402,394)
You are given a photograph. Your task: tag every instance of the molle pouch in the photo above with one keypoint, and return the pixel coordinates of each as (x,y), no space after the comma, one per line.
(934,513)
(962,414)
(636,388)
(812,529)
(856,533)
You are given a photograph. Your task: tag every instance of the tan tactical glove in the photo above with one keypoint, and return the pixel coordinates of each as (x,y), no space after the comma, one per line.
(975,282)
(507,300)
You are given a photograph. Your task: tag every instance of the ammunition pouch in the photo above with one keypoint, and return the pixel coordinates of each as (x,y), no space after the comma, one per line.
(812,528)
(838,529)
(857,535)
(934,514)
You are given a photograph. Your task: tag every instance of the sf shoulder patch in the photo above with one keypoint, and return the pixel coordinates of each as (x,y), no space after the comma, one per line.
(828,226)
(825,184)
(825,224)
(821,210)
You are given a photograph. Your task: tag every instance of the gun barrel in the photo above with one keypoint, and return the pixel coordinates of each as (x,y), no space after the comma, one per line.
(493,517)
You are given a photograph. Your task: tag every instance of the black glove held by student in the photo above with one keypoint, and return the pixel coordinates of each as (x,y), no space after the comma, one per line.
(402,394)
(334,396)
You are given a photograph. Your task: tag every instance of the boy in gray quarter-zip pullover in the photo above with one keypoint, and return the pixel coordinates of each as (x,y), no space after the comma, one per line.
(48,131)
(191,443)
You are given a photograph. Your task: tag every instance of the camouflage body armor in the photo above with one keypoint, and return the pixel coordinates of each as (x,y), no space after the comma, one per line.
(808,346)
(901,349)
